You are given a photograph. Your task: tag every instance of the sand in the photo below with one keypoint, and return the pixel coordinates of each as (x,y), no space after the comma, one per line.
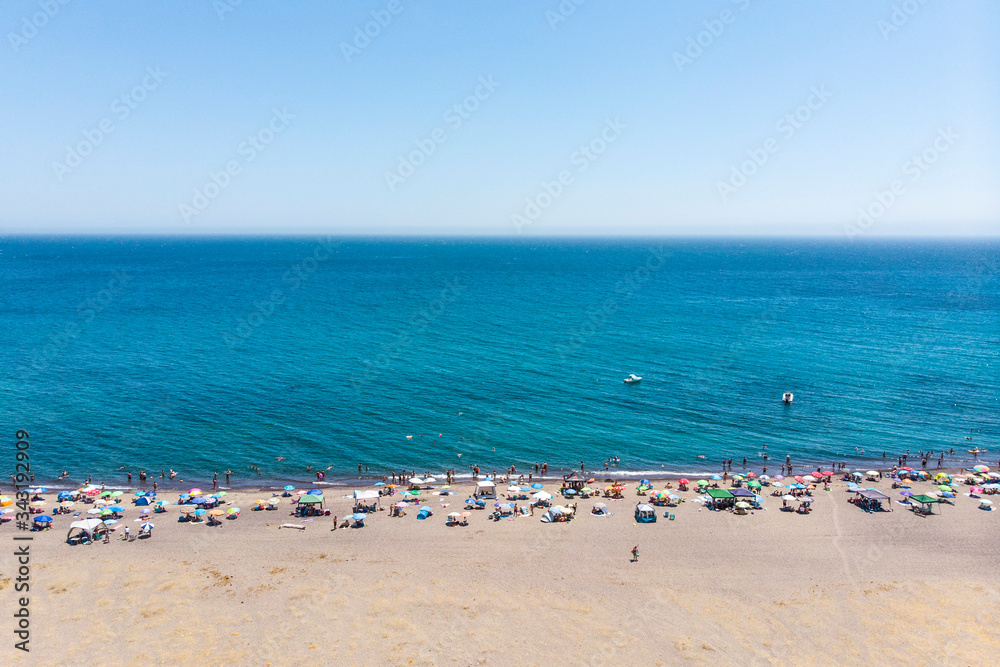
(832,587)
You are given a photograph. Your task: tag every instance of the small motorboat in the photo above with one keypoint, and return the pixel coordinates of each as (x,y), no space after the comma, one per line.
(788,397)
(633,379)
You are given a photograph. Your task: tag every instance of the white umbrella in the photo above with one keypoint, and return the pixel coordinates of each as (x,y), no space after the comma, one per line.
(542,495)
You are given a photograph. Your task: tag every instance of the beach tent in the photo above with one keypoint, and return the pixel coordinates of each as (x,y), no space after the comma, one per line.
(737,493)
(926,503)
(424,513)
(575,481)
(554,515)
(89,527)
(722,498)
(645,513)
(310,500)
(367,494)
(148,499)
(486,489)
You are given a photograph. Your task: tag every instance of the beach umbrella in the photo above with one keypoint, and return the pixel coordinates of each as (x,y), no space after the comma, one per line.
(716,477)
(455,515)
(220,494)
(110,522)
(95,510)
(67,503)
(754,484)
(162,503)
(116,508)
(200,512)
(273,501)
(38,503)
(808,478)
(198,501)
(779,477)
(751,474)
(465,514)
(645,482)
(117,493)
(778,485)
(985,501)
(536,485)
(542,495)
(194,492)
(402,504)
(979,468)
(314,492)
(827,473)
(289,487)
(359,517)
(379,484)
(43,490)
(234,510)
(43,519)
(906,493)
(513,489)
(412,493)
(743,504)
(215,512)
(787,497)
(187,509)
(943,487)
(683,480)
(702,482)
(570,492)
(147,526)
(144,510)
(105,494)
(105,512)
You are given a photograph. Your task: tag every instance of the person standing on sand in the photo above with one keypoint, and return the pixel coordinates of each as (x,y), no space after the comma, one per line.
(635,554)
(154,488)
(215,481)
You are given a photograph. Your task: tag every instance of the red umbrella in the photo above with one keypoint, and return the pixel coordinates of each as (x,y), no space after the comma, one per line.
(751,474)
(683,480)
(827,473)
(798,478)
(906,468)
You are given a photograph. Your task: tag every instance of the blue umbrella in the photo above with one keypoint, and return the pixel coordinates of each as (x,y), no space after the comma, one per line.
(359,517)
(289,487)
(379,483)
(536,485)
(314,492)
(64,494)
(110,522)
(198,501)
(43,519)
(525,488)
(38,490)
(200,512)
(139,494)
(570,492)
(645,482)
(716,477)
(117,508)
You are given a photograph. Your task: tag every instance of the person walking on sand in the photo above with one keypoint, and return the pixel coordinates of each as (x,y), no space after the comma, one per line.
(635,554)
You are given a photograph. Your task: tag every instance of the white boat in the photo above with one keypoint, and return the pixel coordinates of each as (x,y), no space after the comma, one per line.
(633,379)
(788,397)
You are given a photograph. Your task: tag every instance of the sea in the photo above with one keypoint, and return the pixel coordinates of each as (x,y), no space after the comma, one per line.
(278,357)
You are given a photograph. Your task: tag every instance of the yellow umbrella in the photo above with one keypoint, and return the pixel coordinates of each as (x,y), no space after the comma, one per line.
(216,512)
(6,502)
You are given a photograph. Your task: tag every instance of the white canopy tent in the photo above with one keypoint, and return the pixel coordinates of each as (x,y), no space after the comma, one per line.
(366,494)
(486,489)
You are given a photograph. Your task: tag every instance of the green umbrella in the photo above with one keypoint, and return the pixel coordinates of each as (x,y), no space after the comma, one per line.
(222,493)
(702,482)
(117,493)
(754,485)
(413,493)
(105,494)
(944,488)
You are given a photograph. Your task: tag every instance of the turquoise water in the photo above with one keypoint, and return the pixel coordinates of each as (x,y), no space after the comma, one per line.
(200,355)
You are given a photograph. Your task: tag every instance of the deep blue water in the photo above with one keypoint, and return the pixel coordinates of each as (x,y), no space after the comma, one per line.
(148,353)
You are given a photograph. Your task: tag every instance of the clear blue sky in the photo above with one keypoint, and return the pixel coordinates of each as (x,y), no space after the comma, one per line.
(682,126)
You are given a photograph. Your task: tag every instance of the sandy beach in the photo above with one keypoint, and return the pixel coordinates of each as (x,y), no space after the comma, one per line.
(770,587)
